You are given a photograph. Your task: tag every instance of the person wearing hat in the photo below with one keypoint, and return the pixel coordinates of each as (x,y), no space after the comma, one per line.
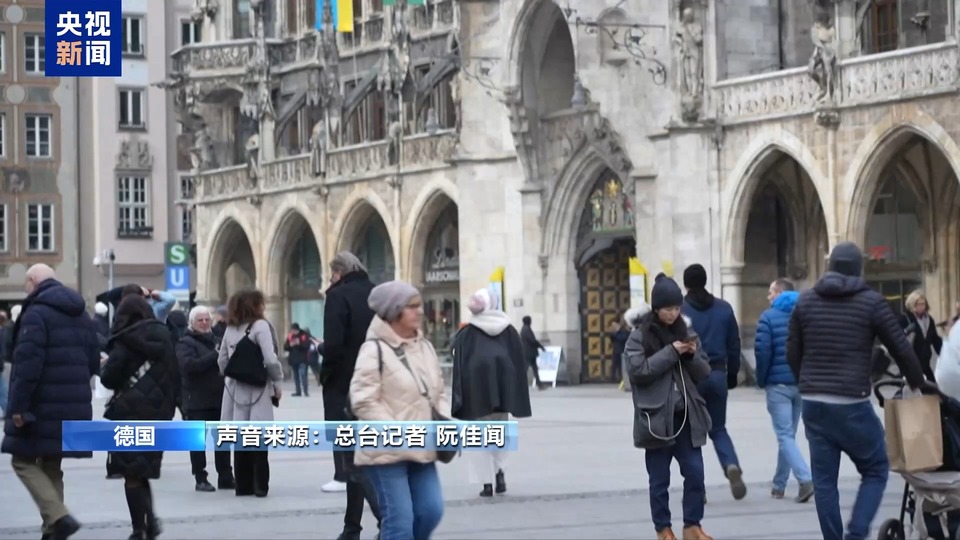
(397,378)
(716,324)
(665,361)
(830,351)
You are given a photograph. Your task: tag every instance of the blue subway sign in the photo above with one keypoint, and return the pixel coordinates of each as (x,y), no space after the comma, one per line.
(83,38)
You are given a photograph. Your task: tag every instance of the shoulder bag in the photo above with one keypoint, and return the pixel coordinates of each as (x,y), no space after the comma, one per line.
(444,456)
(246,363)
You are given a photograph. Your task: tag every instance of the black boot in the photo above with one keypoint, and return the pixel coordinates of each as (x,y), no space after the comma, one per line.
(136,503)
(153,524)
(501,483)
(487,490)
(226,482)
(204,485)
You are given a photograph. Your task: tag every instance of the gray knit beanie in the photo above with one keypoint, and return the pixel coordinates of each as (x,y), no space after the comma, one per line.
(388,299)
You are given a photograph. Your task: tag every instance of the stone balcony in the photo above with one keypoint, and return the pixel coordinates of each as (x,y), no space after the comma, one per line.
(343,165)
(867,80)
(222,58)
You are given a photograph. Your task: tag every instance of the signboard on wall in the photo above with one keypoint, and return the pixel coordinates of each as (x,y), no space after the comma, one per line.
(638,283)
(442,276)
(176,258)
(548,364)
(496,285)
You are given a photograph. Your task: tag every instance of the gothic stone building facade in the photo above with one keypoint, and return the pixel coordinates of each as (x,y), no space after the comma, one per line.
(557,141)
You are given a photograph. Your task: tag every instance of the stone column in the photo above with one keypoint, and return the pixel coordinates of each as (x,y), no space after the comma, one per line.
(268,145)
(275,313)
(645,219)
(731,287)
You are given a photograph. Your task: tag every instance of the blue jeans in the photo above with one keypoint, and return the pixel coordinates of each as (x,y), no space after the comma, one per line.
(690,460)
(714,392)
(784,405)
(856,431)
(4,388)
(411,503)
(300,378)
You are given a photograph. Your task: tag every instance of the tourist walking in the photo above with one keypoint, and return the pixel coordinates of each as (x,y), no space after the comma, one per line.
(142,371)
(202,392)
(244,402)
(830,351)
(715,322)
(531,349)
(921,331)
(54,353)
(489,381)
(783,395)
(346,318)
(407,387)
(297,347)
(665,363)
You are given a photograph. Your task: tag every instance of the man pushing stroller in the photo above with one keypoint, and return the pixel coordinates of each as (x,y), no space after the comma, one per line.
(830,351)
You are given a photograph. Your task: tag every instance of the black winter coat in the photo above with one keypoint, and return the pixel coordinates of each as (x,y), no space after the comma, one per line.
(832,333)
(152,397)
(531,345)
(346,317)
(923,345)
(489,374)
(54,352)
(201,382)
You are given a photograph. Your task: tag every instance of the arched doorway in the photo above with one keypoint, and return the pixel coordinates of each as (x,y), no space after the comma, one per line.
(606,242)
(786,237)
(441,281)
(912,213)
(374,249)
(232,264)
(303,277)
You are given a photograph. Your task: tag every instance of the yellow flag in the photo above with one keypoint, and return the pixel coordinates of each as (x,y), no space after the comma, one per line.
(344,16)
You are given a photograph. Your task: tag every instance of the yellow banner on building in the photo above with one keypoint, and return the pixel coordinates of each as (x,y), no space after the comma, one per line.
(496,285)
(638,283)
(344,15)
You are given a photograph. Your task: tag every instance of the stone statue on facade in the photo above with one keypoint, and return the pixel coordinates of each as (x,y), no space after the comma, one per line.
(201,154)
(205,13)
(318,149)
(456,97)
(253,154)
(823,62)
(394,135)
(689,40)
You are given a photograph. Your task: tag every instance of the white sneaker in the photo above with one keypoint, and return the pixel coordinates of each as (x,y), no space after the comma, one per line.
(334,487)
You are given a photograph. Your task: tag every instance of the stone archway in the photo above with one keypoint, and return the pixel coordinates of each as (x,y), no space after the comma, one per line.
(295,276)
(904,215)
(784,236)
(231,265)
(364,232)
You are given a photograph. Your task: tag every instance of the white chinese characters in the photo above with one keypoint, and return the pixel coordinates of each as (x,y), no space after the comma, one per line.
(127,436)
(80,44)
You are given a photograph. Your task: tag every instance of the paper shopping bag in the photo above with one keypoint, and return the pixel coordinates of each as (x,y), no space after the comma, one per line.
(913,434)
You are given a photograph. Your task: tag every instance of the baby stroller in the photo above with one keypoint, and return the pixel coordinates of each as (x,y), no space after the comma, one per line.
(936,493)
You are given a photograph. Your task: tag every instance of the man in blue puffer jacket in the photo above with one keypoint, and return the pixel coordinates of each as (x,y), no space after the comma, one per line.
(783,395)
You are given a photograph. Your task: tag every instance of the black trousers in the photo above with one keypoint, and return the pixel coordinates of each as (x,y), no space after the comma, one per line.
(532,360)
(198,460)
(251,471)
(359,488)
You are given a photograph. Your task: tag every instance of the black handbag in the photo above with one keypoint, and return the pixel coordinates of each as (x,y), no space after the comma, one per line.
(246,363)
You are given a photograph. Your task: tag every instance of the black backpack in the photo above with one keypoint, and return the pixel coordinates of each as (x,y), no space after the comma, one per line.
(246,363)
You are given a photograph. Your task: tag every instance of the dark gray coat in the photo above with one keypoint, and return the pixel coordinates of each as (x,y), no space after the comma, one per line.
(655,384)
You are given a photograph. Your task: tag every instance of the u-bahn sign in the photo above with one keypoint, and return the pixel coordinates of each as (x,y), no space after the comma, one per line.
(176,258)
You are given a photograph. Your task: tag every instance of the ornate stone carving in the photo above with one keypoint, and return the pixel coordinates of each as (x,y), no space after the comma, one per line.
(253,151)
(216,56)
(782,93)
(394,136)
(201,154)
(914,72)
(15,180)
(563,136)
(689,42)
(134,156)
(828,117)
(322,191)
(318,150)
(823,62)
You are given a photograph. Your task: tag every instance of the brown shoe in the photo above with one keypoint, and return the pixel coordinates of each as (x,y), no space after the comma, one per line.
(666,534)
(695,533)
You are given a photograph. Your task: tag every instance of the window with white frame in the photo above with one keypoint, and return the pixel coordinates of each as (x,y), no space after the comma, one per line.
(133,206)
(40,228)
(189,32)
(132,36)
(187,188)
(34,53)
(131,108)
(3,135)
(186,223)
(4,234)
(38,128)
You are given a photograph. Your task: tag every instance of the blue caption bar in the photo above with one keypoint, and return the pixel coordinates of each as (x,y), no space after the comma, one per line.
(184,436)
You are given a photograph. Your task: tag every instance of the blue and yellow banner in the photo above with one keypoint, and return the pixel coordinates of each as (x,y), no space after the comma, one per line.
(342,12)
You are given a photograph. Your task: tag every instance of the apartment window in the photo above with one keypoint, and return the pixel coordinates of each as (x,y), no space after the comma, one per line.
(3,53)
(40,228)
(186,223)
(34,53)
(189,32)
(38,135)
(133,205)
(3,135)
(131,108)
(3,228)
(241,19)
(132,36)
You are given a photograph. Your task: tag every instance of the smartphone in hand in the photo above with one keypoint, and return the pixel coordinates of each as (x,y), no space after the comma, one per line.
(275,400)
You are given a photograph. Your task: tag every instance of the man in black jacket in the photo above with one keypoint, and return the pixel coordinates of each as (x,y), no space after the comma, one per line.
(830,351)
(346,317)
